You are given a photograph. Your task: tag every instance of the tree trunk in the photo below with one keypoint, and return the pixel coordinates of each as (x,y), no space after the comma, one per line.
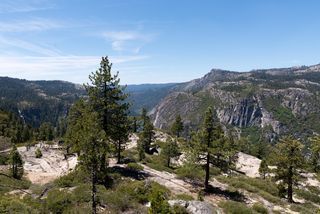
(94,190)
(168,162)
(119,151)
(206,182)
(290,183)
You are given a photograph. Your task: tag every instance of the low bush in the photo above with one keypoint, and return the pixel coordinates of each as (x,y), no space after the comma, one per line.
(259,208)
(130,155)
(309,196)
(157,162)
(134,167)
(129,195)
(14,205)
(74,178)
(82,193)
(177,209)
(232,207)
(313,189)
(38,153)
(4,159)
(57,201)
(190,171)
(8,184)
(184,197)
(304,208)
(267,189)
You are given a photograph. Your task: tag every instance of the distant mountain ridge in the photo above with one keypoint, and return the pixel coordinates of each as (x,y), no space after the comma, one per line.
(45,101)
(269,101)
(273,101)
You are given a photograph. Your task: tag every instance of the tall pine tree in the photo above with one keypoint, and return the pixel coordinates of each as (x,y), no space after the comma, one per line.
(177,126)
(107,98)
(289,159)
(315,153)
(98,123)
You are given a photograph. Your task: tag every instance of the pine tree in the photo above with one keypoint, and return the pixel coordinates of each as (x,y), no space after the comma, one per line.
(16,163)
(26,135)
(144,116)
(177,126)
(87,138)
(46,132)
(210,145)
(121,131)
(289,159)
(146,137)
(107,98)
(315,153)
(140,148)
(263,169)
(97,124)
(61,127)
(170,150)
(134,125)
(230,151)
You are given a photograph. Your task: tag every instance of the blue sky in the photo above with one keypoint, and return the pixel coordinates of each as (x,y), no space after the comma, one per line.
(155,41)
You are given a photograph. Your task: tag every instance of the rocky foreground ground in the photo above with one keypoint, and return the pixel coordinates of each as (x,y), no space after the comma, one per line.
(49,167)
(54,164)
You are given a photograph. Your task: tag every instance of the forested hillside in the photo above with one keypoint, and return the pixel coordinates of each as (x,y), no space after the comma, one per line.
(38,101)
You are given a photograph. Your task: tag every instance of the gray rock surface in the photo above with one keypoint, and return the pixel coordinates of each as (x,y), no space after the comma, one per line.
(194,207)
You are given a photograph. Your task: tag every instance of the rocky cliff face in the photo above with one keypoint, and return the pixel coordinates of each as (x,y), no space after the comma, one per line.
(283,100)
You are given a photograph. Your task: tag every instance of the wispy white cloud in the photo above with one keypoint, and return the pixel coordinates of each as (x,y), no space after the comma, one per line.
(131,41)
(28,46)
(29,25)
(20,6)
(71,68)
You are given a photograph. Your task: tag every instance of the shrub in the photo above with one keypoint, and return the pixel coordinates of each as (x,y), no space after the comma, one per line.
(309,196)
(259,208)
(159,203)
(157,162)
(214,171)
(58,201)
(130,155)
(232,207)
(82,193)
(313,189)
(304,208)
(72,179)
(138,190)
(8,184)
(264,188)
(134,167)
(190,171)
(177,209)
(4,159)
(184,197)
(200,195)
(13,205)
(38,153)
(126,195)
(117,200)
